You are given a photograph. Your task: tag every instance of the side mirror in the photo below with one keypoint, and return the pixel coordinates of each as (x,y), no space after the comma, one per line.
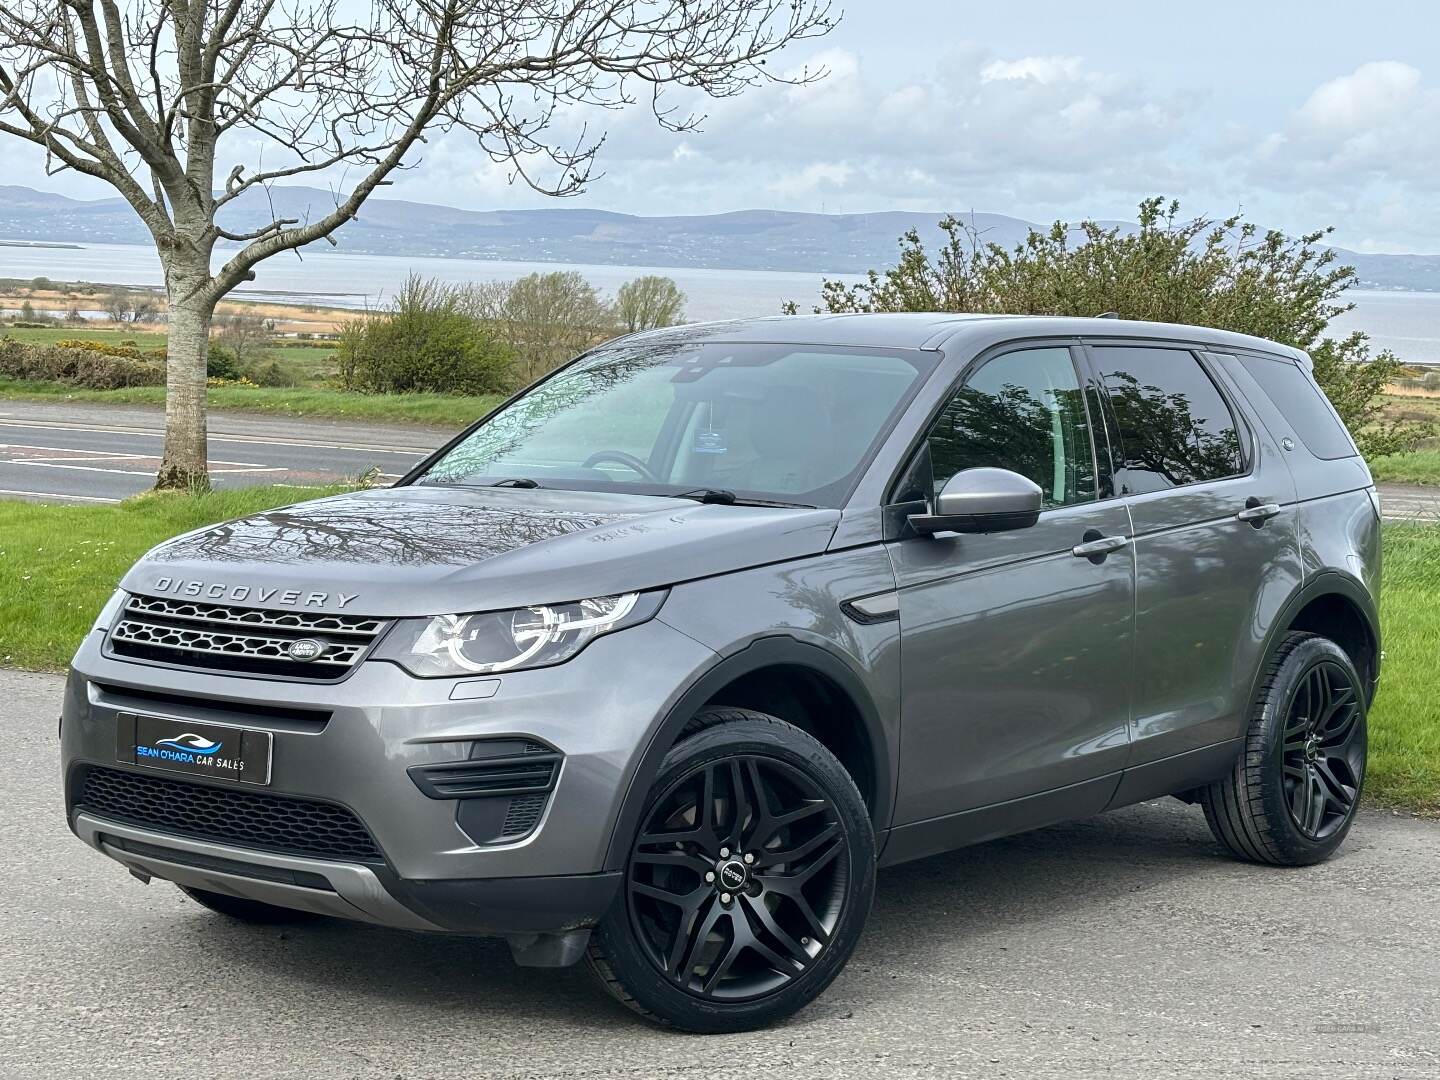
(982,501)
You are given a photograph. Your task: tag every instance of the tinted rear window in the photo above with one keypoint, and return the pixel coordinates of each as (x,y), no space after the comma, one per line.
(1303,404)
(1175,428)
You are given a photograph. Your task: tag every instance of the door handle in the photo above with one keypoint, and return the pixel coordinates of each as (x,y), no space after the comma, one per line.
(1257,513)
(1095,547)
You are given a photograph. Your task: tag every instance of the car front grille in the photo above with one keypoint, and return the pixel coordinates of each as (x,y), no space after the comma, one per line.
(251,640)
(246,819)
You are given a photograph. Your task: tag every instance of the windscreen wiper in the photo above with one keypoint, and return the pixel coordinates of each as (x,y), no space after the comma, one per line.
(729,498)
(517,482)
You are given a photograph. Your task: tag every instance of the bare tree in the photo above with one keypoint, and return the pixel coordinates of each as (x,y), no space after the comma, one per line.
(546,318)
(248,337)
(124,306)
(150,95)
(649,302)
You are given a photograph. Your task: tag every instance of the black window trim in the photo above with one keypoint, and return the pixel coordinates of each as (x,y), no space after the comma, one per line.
(1249,445)
(1078,362)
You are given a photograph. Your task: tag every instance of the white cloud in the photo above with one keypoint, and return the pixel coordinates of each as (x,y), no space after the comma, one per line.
(974,130)
(1363,150)
(1380,122)
(1044,69)
(1373,93)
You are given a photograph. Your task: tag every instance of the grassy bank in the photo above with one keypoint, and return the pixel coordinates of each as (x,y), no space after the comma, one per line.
(1416,467)
(442,410)
(59,563)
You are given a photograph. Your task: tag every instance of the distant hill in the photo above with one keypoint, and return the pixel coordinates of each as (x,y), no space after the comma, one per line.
(743,240)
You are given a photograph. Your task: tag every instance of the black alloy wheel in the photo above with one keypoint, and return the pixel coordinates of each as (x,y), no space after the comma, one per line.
(737,879)
(1294,790)
(1323,751)
(747,883)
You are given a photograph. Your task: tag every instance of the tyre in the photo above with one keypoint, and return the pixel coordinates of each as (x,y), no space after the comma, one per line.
(1292,795)
(747,884)
(250,911)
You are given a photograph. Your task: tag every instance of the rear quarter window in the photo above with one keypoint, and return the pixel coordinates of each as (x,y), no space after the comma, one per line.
(1303,404)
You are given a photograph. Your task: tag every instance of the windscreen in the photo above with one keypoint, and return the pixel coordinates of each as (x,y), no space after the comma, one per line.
(785,423)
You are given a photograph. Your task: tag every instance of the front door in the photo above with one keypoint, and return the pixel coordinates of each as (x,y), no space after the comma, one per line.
(1016,650)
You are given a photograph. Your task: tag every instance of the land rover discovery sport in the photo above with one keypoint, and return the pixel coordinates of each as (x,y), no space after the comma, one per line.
(655,664)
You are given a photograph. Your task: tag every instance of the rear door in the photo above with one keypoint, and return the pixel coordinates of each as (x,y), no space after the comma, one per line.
(1213,507)
(1016,651)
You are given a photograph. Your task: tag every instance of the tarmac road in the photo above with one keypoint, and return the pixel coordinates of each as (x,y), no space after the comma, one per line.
(98,454)
(1123,947)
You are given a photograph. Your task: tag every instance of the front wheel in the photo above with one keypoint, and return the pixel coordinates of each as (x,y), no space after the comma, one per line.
(748,883)
(1293,794)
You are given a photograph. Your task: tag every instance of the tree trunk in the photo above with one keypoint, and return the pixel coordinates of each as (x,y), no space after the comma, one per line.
(185,464)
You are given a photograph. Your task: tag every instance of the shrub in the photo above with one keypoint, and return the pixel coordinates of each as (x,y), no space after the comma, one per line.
(128,350)
(425,343)
(272,374)
(84,368)
(1224,274)
(221,363)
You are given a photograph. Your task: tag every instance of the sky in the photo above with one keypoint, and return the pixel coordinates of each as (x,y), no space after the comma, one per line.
(1298,114)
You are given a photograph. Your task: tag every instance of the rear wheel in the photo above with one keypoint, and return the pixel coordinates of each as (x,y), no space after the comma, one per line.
(1293,793)
(748,883)
(250,911)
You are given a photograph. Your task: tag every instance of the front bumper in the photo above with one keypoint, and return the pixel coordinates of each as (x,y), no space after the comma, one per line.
(600,710)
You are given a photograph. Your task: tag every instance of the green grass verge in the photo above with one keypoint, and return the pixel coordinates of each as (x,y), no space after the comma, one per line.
(1405,723)
(1415,467)
(443,410)
(59,563)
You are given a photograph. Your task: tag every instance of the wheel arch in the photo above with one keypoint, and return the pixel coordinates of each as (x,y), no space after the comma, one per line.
(779,675)
(1337,607)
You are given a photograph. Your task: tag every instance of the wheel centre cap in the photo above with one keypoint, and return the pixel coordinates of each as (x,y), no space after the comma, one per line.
(731,875)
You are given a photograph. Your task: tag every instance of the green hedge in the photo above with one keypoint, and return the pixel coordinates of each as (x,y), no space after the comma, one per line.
(79,367)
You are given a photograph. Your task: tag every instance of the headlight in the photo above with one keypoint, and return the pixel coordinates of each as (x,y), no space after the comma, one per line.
(491,642)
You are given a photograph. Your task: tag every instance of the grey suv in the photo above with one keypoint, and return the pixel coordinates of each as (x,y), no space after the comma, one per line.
(654,665)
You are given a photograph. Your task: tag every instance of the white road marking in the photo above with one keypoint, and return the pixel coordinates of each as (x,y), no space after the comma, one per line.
(57,495)
(89,457)
(269,440)
(101,455)
(80,468)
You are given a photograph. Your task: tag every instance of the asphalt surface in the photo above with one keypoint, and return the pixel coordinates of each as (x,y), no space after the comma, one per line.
(74,453)
(1126,946)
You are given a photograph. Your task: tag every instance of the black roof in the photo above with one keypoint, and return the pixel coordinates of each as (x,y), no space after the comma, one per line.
(936,330)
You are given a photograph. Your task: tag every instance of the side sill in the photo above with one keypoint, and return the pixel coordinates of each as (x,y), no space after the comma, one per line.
(924,838)
(1170,775)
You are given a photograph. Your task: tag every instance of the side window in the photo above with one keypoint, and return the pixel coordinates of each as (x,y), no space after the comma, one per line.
(1303,404)
(1021,411)
(1174,426)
